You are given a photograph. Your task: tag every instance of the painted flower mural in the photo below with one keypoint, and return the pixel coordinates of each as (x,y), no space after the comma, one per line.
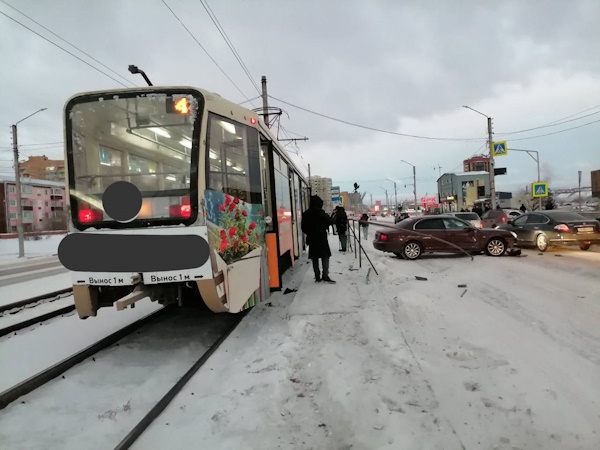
(235,226)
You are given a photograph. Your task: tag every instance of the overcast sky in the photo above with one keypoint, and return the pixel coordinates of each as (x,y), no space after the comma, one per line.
(403,66)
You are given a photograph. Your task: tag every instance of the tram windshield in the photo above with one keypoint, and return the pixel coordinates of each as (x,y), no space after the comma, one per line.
(149,140)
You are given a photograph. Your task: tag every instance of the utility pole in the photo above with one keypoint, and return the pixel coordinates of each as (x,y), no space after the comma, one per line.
(371,200)
(492,174)
(579,173)
(265,100)
(439,168)
(18,185)
(309,181)
(415,186)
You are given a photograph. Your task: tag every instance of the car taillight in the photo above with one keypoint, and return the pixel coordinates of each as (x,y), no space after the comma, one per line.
(563,228)
(90,215)
(503,219)
(383,237)
(480,224)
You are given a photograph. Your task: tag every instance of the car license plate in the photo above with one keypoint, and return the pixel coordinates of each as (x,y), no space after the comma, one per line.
(586,230)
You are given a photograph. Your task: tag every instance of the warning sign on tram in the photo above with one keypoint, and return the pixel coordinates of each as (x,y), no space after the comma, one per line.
(539,189)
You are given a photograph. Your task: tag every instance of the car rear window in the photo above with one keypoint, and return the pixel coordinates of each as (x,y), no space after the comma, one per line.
(430,224)
(467,216)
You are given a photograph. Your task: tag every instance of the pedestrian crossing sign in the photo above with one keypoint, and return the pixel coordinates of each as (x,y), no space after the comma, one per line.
(539,189)
(499,148)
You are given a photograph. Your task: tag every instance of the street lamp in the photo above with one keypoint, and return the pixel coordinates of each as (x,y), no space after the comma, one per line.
(386,196)
(395,191)
(536,158)
(18,184)
(414,182)
(491,158)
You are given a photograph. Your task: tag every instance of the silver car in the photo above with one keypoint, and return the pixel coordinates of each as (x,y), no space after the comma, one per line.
(471,217)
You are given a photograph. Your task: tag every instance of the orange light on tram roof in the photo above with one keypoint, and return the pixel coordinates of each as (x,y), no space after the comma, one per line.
(182,106)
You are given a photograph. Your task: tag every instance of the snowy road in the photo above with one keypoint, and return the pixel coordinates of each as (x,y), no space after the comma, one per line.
(512,363)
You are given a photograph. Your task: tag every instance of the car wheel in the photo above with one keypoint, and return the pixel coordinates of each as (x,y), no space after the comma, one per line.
(495,247)
(584,247)
(412,250)
(541,242)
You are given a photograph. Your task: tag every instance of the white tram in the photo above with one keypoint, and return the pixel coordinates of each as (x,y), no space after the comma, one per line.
(220,207)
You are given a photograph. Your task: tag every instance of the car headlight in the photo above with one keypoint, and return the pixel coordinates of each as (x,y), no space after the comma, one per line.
(514,234)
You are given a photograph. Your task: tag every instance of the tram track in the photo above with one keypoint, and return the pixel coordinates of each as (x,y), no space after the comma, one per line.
(50,296)
(34,382)
(145,373)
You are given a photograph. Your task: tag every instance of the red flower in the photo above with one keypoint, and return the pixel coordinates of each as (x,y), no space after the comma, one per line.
(252,226)
(257,236)
(236,200)
(235,244)
(232,231)
(244,239)
(248,232)
(222,207)
(245,213)
(227,199)
(260,213)
(223,235)
(231,207)
(223,246)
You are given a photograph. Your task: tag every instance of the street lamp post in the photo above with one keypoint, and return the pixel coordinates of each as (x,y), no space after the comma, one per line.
(386,196)
(536,158)
(395,192)
(18,184)
(414,182)
(491,158)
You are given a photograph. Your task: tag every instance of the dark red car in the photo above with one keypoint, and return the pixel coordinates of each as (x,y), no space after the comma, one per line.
(446,234)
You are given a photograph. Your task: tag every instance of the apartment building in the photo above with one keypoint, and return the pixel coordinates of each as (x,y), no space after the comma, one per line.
(42,168)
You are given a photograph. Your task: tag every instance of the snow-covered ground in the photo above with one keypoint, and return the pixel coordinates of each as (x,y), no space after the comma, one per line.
(39,285)
(99,401)
(38,347)
(8,318)
(46,246)
(511,361)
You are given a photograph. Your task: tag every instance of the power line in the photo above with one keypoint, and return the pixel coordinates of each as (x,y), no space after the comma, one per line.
(557,132)
(205,51)
(224,35)
(64,40)
(376,129)
(552,124)
(63,49)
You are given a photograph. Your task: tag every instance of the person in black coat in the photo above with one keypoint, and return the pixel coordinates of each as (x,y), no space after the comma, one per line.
(315,223)
(341,223)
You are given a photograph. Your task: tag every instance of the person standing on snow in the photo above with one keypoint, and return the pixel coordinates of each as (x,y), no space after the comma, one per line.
(364,223)
(523,208)
(315,223)
(341,223)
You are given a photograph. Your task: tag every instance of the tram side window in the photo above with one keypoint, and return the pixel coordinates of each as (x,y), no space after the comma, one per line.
(233,159)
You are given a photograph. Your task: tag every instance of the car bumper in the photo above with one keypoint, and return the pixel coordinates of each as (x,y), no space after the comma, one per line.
(591,239)
(385,246)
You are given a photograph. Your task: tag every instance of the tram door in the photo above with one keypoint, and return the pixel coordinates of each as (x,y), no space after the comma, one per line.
(295,197)
(271,276)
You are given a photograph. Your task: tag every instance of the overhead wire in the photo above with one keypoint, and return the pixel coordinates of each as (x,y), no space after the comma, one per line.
(64,50)
(376,129)
(64,40)
(225,37)
(556,132)
(205,51)
(552,124)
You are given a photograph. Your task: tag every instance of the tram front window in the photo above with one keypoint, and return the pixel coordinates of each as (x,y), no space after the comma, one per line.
(148,140)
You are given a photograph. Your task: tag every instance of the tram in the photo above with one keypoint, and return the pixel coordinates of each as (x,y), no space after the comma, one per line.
(215,203)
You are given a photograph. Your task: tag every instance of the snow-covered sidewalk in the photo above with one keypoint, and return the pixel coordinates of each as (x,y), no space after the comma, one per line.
(34,250)
(404,363)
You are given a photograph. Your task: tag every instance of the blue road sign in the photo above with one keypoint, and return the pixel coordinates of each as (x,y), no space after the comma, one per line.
(539,189)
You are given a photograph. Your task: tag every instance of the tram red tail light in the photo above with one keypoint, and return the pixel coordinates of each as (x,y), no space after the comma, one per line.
(90,215)
(184,210)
